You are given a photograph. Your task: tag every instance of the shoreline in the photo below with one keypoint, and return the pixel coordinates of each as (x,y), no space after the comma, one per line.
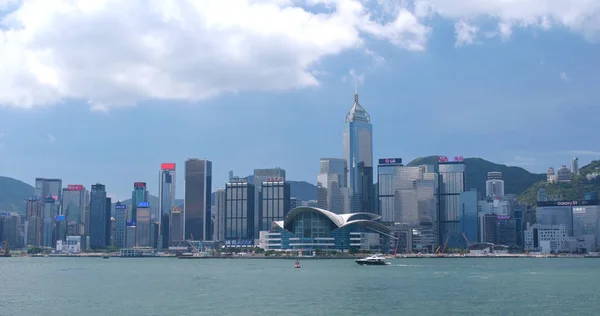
(313,257)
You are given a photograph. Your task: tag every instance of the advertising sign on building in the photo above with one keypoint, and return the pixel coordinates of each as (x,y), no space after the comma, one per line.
(143,204)
(120,206)
(139,184)
(130,222)
(274,179)
(390,161)
(75,187)
(5,214)
(167,166)
(60,218)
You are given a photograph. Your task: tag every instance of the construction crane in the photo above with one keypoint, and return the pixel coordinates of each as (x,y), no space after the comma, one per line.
(444,249)
(6,252)
(467,240)
(392,236)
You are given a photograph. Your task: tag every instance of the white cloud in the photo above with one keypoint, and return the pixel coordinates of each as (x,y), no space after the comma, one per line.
(118,53)
(114,53)
(51,138)
(564,77)
(578,15)
(465,33)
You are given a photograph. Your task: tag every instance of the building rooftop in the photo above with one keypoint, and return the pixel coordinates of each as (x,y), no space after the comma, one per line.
(357,112)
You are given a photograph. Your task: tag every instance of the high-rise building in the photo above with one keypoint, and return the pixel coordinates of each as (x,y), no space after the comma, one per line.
(366,189)
(74,202)
(198,190)
(563,174)
(332,191)
(219,216)
(45,187)
(257,179)
(494,186)
(139,195)
(48,220)
(575,166)
(120,224)
(99,217)
(143,225)
(274,203)
(468,218)
(358,147)
(330,194)
(335,166)
(9,230)
(176,228)
(166,188)
(33,206)
(164,230)
(239,211)
(452,183)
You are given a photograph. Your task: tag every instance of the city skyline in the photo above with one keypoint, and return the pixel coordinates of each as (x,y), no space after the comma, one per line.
(434,92)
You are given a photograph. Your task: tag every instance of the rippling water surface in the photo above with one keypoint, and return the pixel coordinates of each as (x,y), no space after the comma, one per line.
(123,286)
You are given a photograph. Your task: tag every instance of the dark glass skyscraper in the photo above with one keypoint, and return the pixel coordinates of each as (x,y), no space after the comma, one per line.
(274,203)
(451,184)
(99,217)
(239,211)
(198,182)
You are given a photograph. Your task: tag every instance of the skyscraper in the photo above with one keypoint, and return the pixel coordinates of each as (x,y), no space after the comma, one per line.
(358,147)
(219,216)
(274,203)
(198,183)
(575,166)
(143,225)
(451,185)
(257,179)
(49,187)
(332,191)
(99,217)
(239,211)
(139,194)
(48,220)
(166,188)
(74,201)
(494,186)
(120,224)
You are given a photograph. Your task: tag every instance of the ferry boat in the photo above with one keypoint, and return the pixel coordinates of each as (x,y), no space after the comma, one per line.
(297,264)
(374,260)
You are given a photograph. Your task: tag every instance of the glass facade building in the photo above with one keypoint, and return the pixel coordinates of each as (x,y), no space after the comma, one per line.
(555,215)
(239,211)
(451,184)
(468,219)
(219,216)
(100,207)
(143,227)
(358,147)
(198,190)
(274,202)
(139,194)
(586,221)
(166,188)
(74,202)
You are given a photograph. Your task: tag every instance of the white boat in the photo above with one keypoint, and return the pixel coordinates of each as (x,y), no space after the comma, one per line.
(374,260)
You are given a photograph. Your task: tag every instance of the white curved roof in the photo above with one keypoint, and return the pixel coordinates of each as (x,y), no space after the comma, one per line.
(338,219)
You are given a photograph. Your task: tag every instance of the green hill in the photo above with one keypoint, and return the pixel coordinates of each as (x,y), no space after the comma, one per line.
(516,179)
(13,194)
(574,190)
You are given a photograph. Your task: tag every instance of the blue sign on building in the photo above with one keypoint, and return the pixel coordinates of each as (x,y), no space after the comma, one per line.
(120,206)
(5,214)
(60,218)
(143,204)
(130,222)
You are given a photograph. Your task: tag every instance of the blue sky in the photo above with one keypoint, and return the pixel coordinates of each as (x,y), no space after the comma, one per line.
(528,99)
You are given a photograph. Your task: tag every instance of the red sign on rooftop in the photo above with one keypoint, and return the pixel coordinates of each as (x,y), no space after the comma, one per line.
(75,187)
(167,166)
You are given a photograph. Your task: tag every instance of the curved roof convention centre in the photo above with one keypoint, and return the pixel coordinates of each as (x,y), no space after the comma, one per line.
(339,220)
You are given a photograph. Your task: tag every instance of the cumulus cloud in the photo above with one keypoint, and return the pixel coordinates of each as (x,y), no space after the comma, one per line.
(465,33)
(580,15)
(117,53)
(114,53)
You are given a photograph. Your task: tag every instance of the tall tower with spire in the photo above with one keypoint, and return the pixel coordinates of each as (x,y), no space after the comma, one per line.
(358,152)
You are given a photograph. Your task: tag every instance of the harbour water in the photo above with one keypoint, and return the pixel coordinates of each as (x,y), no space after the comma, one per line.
(119,286)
